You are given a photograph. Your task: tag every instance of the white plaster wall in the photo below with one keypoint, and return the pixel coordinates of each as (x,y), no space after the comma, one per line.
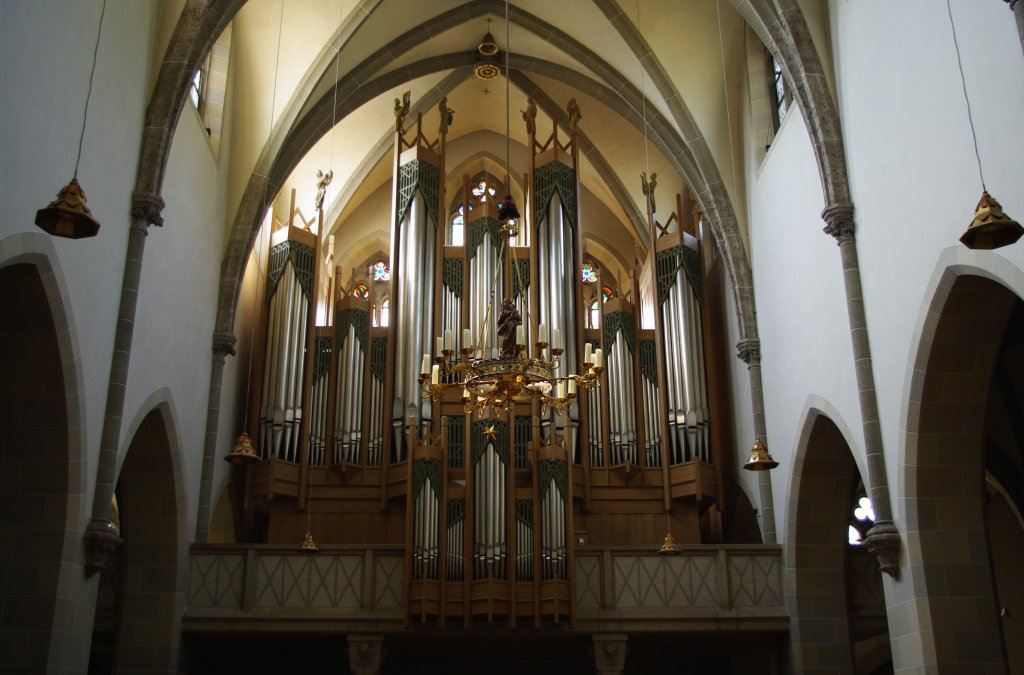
(913,172)
(172,346)
(801,301)
(39,139)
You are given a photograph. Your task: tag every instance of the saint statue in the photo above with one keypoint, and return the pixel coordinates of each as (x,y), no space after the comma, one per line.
(508,321)
(530,115)
(574,116)
(322,181)
(401,110)
(447,114)
(648,189)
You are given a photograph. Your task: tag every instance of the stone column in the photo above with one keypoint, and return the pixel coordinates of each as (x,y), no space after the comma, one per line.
(366,654)
(1017,6)
(223,345)
(100,536)
(609,653)
(749,350)
(883,539)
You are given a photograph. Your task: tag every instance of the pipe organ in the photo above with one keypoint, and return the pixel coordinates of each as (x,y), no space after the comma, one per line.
(489,505)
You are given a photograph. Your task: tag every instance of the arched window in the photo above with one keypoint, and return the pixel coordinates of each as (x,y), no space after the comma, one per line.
(361,291)
(483,188)
(385,312)
(862,517)
(379,271)
(594,315)
(588,273)
(607,293)
(778,91)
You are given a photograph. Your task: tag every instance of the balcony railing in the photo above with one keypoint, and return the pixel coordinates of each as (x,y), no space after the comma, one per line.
(729,587)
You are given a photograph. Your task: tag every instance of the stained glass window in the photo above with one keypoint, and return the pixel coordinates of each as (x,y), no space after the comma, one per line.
(589,274)
(482,190)
(361,291)
(606,293)
(380,271)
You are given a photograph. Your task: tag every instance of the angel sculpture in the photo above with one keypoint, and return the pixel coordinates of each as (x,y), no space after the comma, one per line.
(322,181)
(648,188)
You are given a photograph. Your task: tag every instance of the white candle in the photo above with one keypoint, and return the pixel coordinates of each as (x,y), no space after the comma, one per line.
(449,340)
(599,358)
(440,347)
(588,353)
(425,368)
(467,338)
(435,374)
(556,340)
(572,387)
(542,333)
(560,390)
(520,335)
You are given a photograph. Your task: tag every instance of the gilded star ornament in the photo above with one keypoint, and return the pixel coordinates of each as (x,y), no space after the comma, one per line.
(490,432)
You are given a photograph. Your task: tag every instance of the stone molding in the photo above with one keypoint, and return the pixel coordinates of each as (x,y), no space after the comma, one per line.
(749,351)
(148,206)
(839,219)
(610,652)
(366,654)
(883,540)
(101,540)
(224,344)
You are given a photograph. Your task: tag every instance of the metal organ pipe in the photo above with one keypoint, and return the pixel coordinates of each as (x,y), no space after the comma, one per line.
(281,405)
(413,326)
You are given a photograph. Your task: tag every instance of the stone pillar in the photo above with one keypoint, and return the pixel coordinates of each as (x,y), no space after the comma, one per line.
(883,539)
(609,653)
(100,536)
(223,345)
(749,351)
(1017,6)
(366,654)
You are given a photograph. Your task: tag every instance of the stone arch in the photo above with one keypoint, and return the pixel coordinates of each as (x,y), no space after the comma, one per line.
(782,28)
(42,460)
(825,580)
(942,464)
(154,565)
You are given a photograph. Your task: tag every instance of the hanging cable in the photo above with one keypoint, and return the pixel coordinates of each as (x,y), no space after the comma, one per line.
(963,83)
(88,95)
(725,88)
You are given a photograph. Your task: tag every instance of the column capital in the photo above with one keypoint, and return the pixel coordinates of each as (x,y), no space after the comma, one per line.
(749,351)
(883,540)
(148,206)
(366,654)
(224,344)
(610,652)
(839,222)
(101,542)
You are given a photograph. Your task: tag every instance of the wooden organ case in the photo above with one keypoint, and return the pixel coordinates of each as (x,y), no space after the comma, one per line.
(489,509)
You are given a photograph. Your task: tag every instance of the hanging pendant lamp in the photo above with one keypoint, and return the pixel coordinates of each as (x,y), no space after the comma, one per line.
(67,215)
(760,460)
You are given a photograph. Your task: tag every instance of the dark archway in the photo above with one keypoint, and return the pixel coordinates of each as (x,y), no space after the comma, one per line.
(34,471)
(152,571)
(834,589)
(950,592)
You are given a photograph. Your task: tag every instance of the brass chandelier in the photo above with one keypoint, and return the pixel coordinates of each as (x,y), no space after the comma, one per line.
(495,383)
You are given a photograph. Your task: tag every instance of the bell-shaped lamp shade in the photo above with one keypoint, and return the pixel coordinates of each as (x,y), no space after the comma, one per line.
(243,452)
(67,215)
(760,460)
(991,228)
